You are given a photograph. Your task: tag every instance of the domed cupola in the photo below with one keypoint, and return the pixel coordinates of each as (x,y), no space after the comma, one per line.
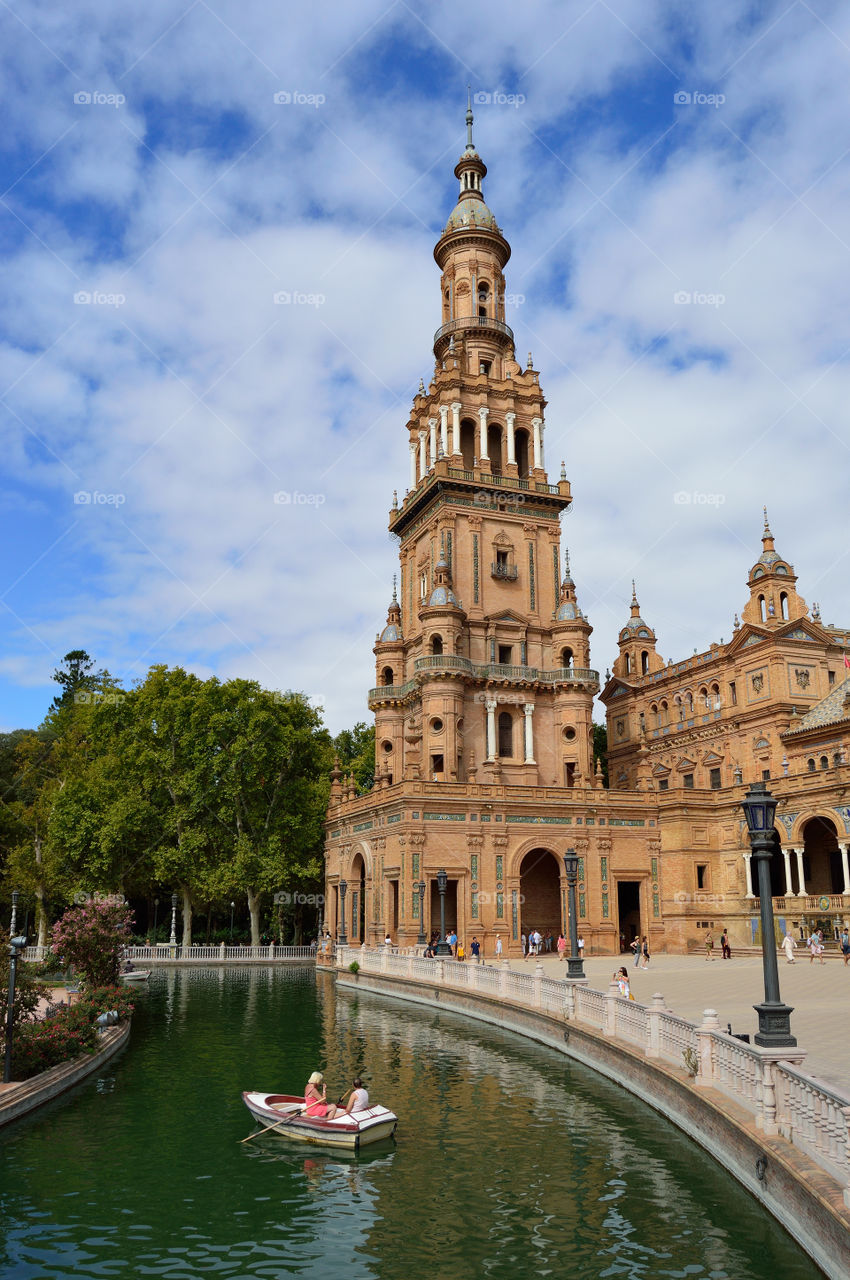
(392,631)
(772,583)
(638,656)
(442,596)
(570,630)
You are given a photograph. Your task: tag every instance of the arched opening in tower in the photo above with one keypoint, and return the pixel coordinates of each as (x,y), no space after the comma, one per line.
(822,857)
(357,893)
(521,446)
(494,447)
(467,443)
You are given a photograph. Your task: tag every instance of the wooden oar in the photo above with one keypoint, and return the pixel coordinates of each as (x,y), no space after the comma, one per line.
(292,1115)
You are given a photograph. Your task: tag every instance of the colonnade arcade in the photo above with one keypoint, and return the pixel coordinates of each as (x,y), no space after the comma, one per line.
(468,443)
(814,864)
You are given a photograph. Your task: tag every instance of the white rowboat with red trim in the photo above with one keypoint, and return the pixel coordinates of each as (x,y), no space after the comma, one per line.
(350,1132)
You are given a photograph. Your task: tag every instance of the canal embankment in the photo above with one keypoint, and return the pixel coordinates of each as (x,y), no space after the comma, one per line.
(18,1098)
(781,1133)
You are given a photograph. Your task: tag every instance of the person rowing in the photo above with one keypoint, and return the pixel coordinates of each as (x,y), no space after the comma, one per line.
(315,1100)
(359,1100)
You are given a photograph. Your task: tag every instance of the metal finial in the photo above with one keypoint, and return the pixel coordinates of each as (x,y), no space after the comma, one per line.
(395,597)
(395,505)
(766,525)
(563,470)
(529,362)
(566,562)
(634,593)
(421,387)
(470,145)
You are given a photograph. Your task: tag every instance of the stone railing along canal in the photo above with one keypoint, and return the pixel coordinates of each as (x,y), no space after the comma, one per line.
(163,953)
(769,1084)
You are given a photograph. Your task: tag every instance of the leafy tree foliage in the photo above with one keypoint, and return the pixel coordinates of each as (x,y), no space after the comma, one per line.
(355,749)
(91,937)
(600,749)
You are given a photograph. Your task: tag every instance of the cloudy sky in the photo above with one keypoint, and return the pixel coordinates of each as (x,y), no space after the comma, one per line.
(674,180)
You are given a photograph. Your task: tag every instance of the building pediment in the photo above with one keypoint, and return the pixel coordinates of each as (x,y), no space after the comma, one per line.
(685,765)
(508,617)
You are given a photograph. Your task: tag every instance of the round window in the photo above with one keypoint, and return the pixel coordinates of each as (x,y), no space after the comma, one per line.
(386,747)
(569,733)
(436,725)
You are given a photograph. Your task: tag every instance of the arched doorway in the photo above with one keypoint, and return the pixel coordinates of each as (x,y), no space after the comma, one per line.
(822,857)
(540,893)
(357,893)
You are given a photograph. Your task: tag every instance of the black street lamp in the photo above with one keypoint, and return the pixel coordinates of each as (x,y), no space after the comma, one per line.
(774,1017)
(442,948)
(232,907)
(575,965)
(14,921)
(173,939)
(343,889)
(419,887)
(17,946)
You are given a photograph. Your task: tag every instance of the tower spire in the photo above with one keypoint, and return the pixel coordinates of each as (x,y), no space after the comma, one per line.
(470,145)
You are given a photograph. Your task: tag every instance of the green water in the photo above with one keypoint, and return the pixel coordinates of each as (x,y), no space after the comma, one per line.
(510,1162)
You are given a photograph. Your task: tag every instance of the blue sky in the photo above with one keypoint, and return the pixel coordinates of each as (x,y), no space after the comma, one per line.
(673,180)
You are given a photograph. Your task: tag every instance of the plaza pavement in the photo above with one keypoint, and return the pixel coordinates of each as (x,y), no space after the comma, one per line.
(819,994)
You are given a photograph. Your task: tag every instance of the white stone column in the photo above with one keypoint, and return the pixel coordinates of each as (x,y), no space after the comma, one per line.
(801,875)
(536,424)
(423,461)
(491,729)
(456,407)
(432,430)
(483,455)
(845,849)
(413,449)
(789,892)
(528,709)
(748,866)
(444,428)
(510,419)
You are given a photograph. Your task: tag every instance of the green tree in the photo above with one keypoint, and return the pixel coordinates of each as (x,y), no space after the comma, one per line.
(75,677)
(355,749)
(600,749)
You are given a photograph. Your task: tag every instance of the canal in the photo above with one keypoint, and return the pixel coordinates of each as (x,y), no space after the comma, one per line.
(510,1163)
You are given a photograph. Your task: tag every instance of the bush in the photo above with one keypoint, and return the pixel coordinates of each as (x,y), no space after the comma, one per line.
(38,1046)
(91,938)
(97,1000)
(29,989)
(354,967)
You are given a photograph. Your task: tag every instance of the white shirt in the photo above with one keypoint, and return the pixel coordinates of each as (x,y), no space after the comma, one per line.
(498,946)
(359,1100)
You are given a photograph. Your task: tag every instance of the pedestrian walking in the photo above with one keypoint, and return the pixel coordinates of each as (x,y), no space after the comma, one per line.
(581,947)
(709,946)
(645,951)
(845,944)
(815,945)
(562,946)
(524,942)
(726,950)
(635,945)
(498,946)
(475,950)
(789,946)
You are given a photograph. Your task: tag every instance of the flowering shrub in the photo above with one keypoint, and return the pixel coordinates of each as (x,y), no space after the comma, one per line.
(91,936)
(38,1046)
(96,1000)
(28,990)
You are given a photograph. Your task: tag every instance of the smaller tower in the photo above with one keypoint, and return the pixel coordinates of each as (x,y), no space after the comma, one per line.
(441,682)
(573,696)
(773,588)
(386,698)
(638,656)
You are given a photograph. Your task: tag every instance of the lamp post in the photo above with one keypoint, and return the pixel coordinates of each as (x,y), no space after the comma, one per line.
(232,907)
(774,1017)
(16,948)
(442,948)
(173,938)
(14,921)
(343,889)
(419,887)
(575,965)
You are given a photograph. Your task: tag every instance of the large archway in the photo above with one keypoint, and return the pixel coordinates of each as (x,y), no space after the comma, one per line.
(357,892)
(822,857)
(540,889)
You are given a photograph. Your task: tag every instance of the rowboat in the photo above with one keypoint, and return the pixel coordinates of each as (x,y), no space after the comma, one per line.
(348,1132)
(135,975)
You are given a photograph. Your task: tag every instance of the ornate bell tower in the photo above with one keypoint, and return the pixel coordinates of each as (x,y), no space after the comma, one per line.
(483,667)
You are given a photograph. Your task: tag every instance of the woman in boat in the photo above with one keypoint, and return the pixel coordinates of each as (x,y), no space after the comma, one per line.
(316,1104)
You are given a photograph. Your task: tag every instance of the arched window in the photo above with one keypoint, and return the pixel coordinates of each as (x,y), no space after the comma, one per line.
(387,676)
(783,604)
(467,443)
(644,663)
(762,611)
(715,696)
(703,694)
(521,438)
(680,710)
(436,644)
(506,734)
(689,705)
(483,297)
(628,663)
(566,657)
(824,762)
(654,710)
(665,713)
(810,764)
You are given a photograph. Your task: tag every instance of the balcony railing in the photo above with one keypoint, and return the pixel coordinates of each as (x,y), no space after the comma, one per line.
(456,664)
(509,572)
(486,323)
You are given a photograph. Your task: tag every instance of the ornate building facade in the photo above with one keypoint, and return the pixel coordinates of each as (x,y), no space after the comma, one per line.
(484,687)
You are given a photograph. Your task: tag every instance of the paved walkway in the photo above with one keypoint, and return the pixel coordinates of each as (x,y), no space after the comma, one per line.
(819,994)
